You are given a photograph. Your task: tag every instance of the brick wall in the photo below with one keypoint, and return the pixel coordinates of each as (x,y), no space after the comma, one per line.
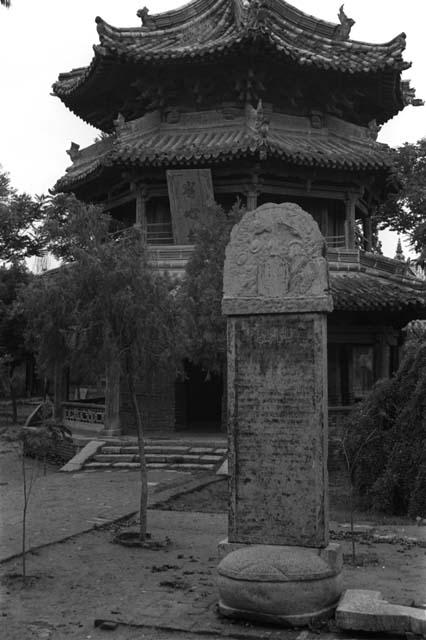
(59,451)
(157,406)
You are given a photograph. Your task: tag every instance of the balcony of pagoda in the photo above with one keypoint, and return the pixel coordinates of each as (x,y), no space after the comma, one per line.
(173,259)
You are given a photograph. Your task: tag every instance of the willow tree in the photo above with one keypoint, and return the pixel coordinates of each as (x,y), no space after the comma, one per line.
(107,307)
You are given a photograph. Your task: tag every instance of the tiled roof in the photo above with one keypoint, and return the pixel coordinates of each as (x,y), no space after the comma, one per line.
(150,142)
(358,291)
(205,27)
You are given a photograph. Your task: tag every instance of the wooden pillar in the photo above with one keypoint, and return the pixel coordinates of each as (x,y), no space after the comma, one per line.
(350,223)
(252,200)
(112,426)
(381,357)
(253,189)
(141,221)
(368,233)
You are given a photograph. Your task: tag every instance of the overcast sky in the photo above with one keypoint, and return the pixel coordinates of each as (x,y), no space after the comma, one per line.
(39,40)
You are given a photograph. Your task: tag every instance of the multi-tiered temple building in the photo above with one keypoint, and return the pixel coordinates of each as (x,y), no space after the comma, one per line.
(227,99)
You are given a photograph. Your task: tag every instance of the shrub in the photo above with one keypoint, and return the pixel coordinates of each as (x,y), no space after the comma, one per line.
(390,473)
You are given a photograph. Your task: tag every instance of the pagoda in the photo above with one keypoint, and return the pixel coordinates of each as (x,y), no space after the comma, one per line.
(222,100)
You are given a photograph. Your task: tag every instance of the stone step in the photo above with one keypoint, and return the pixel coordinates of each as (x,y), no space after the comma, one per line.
(118,457)
(151,465)
(174,455)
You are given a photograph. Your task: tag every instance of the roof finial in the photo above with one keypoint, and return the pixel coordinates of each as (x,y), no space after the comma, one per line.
(262,121)
(74,151)
(399,255)
(343,30)
(119,123)
(147,21)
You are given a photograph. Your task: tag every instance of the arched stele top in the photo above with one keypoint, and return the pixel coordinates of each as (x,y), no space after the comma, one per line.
(275,263)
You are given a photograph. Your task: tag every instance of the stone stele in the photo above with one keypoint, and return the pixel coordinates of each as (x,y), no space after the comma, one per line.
(276,295)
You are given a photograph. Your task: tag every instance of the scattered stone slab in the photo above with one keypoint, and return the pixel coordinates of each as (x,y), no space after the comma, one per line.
(80,459)
(211,458)
(201,450)
(358,528)
(365,610)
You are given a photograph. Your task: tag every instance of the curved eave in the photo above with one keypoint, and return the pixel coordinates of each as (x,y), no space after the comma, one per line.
(74,81)
(371,292)
(239,146)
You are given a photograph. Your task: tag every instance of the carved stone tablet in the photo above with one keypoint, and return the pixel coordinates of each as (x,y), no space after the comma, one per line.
(276,296)
(275,261)
(278,429)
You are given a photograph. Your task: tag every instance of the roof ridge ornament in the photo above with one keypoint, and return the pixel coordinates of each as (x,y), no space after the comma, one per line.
(373,129)
(74,151)
(255,13)
(119,123)
(343,30)
(147,21)
(262,124)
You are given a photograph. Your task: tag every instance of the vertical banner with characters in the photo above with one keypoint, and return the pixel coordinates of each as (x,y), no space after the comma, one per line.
(190,195)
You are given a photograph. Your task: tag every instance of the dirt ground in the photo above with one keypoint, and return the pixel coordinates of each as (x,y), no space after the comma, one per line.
(88,577)
(214,499)
(165,593)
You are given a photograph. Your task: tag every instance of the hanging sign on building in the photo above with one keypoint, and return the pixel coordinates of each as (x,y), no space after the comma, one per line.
(191,195)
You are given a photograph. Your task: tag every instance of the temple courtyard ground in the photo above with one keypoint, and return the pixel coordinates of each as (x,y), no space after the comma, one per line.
(79,577)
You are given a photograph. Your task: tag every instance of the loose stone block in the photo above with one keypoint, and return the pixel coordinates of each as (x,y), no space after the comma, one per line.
(364,610)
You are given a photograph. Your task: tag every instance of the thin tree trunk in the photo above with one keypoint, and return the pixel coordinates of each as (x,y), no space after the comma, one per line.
(224,400)
(352,526)
(24,516)
(143,504)
(13,396)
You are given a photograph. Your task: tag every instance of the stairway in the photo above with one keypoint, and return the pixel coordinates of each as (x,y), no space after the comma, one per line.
(176,455)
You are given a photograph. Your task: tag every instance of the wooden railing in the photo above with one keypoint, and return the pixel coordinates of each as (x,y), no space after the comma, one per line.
(159,233)
(334,242)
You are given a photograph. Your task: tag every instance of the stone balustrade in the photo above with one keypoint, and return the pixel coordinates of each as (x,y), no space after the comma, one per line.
(79,414)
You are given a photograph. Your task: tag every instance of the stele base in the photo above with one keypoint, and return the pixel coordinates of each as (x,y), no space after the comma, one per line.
(288,586)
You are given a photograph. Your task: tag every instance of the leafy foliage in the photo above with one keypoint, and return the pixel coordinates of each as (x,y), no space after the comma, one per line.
(200,296)
(404,211)
(70,228)
(108,309)
(20,215)
(390,474)
(13,351)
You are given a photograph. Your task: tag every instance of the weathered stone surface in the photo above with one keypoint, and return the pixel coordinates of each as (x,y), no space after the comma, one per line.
(275,263)
(223,469)
(276,298)
(278,429)
(364,610)
(89,450)
(292,585)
